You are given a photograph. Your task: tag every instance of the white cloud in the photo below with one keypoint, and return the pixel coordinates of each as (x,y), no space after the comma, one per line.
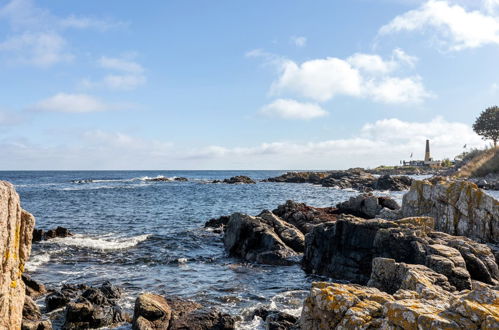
(120,64)
(291,109)
(38,49)
(82,23)
(299,41)
(360,75)
(72,103)
(381,142)
(10,118)
(458,27)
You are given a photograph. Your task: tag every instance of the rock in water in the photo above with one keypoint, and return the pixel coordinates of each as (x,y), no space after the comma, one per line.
(151,312)
(459,208)
(251,238)
(345,249)
(305,217)
(240,179)
(343,306)
(16,230)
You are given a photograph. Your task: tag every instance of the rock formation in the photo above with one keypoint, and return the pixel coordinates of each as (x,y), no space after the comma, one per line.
(346,248)
(42,235)
(305,217)
(367,206)
(343,306)
(459,208)
(239,179)
(262,239)
(156,312)
(16,229)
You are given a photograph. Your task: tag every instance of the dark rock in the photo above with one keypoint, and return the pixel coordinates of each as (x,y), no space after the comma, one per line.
(151,312)
(288,233)
(158,179)
(34,289)
(275,320)
(345,250)
(394,183)
(203,319)
(41,235)
(220,222)
(300,177)
(181,179)
(83,314)
(36,325)
(56,300)
(254,240)
(366,205)
(239,179)
(305,217)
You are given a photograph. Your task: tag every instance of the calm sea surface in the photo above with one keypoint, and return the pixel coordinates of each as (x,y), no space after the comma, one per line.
(149,236)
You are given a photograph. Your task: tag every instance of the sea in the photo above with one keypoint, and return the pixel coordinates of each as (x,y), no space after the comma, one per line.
(147,236)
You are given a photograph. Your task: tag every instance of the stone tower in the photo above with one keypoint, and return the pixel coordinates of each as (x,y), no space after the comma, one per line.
(427,156)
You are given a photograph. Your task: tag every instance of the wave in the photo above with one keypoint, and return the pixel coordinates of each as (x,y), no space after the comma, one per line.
(99,243)
(142,178)
(36,261)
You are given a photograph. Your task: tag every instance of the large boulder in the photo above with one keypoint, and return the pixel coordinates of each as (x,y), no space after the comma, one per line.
(254,240)
(16,230)
(305,217)
(156,312)
(346,306)
(346,248)
(459,208)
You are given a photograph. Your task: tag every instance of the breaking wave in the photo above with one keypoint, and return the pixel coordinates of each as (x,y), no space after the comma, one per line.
(99,243)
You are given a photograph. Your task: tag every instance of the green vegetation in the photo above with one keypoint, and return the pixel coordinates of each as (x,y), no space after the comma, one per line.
(487,124)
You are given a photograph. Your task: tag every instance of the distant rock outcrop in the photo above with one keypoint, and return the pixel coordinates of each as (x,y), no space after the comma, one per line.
(42,235)
(356,178)
(16,230)
(458,207)
(239,179)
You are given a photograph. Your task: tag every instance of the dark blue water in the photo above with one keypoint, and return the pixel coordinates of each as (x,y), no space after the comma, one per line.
(149,236)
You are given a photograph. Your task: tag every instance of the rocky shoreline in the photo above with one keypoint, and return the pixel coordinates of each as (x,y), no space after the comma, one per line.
(431,262)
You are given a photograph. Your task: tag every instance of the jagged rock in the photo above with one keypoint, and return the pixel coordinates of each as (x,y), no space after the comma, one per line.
(16,230)
(367,205)
(31,311)
(275,320)
(288,233)
(394,183)
(345,250)
(181,179)
(36,325)
(300,177)
(203,319)
(459,208)
(305,217)
(56,300)
(217,223)
(151,312)
(390,276)
(251,238)
(343,306)
(42,235)
(34,289)
(239,179)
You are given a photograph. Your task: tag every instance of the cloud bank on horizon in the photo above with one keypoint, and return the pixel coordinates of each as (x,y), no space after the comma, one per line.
(97,87)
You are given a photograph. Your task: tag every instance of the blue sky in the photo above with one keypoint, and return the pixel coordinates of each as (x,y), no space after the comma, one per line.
(242,84)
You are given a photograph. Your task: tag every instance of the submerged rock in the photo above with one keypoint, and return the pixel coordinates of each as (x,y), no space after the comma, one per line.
(253,239)
(459,208)
(344,306)
(217,223)
(345,250)
(16,230)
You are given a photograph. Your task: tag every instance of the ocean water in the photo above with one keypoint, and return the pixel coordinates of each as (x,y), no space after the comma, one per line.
(150,236)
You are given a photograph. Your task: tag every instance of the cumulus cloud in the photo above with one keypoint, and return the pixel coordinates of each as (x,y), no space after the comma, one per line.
(457,27)
(360,75)
(384,141)
(299,41)
(72,103)
(291,109)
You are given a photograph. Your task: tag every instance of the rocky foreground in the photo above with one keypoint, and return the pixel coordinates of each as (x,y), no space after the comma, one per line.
(430,263)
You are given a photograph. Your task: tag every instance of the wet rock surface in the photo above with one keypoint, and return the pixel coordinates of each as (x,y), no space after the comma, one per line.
(458,207)
(42,235)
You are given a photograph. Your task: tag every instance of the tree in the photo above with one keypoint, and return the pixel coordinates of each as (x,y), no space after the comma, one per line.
(487,124)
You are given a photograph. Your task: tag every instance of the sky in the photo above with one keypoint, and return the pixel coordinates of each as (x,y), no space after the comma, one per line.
(261,84)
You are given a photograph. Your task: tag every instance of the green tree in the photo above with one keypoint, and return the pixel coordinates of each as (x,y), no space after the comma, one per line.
(487,124)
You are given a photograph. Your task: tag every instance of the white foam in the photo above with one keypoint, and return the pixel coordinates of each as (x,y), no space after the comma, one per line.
(182,260)
(99,243)
(254,324)
(36,261)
